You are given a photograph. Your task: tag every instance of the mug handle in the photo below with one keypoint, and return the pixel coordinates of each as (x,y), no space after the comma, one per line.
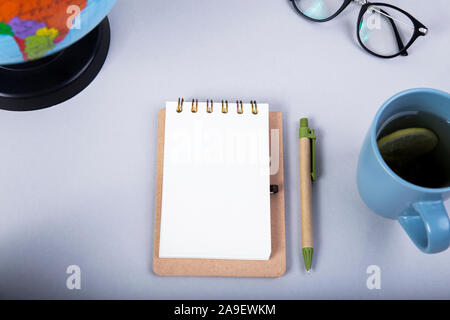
(428,226)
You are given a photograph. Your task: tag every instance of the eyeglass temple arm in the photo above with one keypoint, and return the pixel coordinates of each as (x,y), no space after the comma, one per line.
(400,44)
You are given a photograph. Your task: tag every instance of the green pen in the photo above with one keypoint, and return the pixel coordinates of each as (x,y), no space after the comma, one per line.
(307,146)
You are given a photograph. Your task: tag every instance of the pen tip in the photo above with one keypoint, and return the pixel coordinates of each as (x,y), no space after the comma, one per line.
(307,255)
(308,271)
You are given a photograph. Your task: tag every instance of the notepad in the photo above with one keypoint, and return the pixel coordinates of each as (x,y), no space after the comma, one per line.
(216,182)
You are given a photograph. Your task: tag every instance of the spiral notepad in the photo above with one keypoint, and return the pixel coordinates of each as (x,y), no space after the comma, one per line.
(216,178)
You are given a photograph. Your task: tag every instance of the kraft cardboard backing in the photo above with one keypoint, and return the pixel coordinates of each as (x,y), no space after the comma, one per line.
(274,267)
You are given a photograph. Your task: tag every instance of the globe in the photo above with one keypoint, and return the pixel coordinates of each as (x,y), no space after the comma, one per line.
(50,50)
(33,29)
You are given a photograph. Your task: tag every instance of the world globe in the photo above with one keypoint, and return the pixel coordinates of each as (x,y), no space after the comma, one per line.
(50,50)
(32,29)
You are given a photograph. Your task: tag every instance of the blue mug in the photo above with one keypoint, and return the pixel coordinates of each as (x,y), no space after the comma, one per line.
(419,210)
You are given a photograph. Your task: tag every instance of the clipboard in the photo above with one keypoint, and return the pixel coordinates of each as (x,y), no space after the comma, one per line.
(274,267)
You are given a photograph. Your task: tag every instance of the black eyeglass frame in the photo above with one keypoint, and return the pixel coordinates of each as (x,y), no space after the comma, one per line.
(419,28)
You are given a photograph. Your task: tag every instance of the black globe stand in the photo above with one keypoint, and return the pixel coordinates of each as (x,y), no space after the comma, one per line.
(46,82)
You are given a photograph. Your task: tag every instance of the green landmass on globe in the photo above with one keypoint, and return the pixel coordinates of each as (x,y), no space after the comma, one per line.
(5,29)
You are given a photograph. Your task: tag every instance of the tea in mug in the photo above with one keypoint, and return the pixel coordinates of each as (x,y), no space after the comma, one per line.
(416,146)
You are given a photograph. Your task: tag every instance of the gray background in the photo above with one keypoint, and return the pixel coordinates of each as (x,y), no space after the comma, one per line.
(77,181)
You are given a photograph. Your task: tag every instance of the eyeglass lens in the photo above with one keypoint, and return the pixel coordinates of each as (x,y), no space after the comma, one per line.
(319,9)
(384,30)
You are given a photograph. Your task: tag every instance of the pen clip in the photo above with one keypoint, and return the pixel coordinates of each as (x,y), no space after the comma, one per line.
(312,136)
(306,132)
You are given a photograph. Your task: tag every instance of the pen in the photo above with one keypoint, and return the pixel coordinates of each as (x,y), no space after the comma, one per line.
(307,144)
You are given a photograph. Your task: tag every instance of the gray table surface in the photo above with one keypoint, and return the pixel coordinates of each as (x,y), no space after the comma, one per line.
(77,181)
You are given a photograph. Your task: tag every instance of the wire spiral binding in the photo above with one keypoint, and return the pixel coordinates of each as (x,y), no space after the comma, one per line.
(210,106)
(194,109)
(180,105)
(240,109)
(254,107)
(225,108)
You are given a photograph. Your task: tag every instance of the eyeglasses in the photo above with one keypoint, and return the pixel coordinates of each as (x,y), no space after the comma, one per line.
(382,29)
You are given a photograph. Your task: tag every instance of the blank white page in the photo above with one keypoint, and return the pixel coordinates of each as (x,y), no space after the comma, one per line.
(216,183)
